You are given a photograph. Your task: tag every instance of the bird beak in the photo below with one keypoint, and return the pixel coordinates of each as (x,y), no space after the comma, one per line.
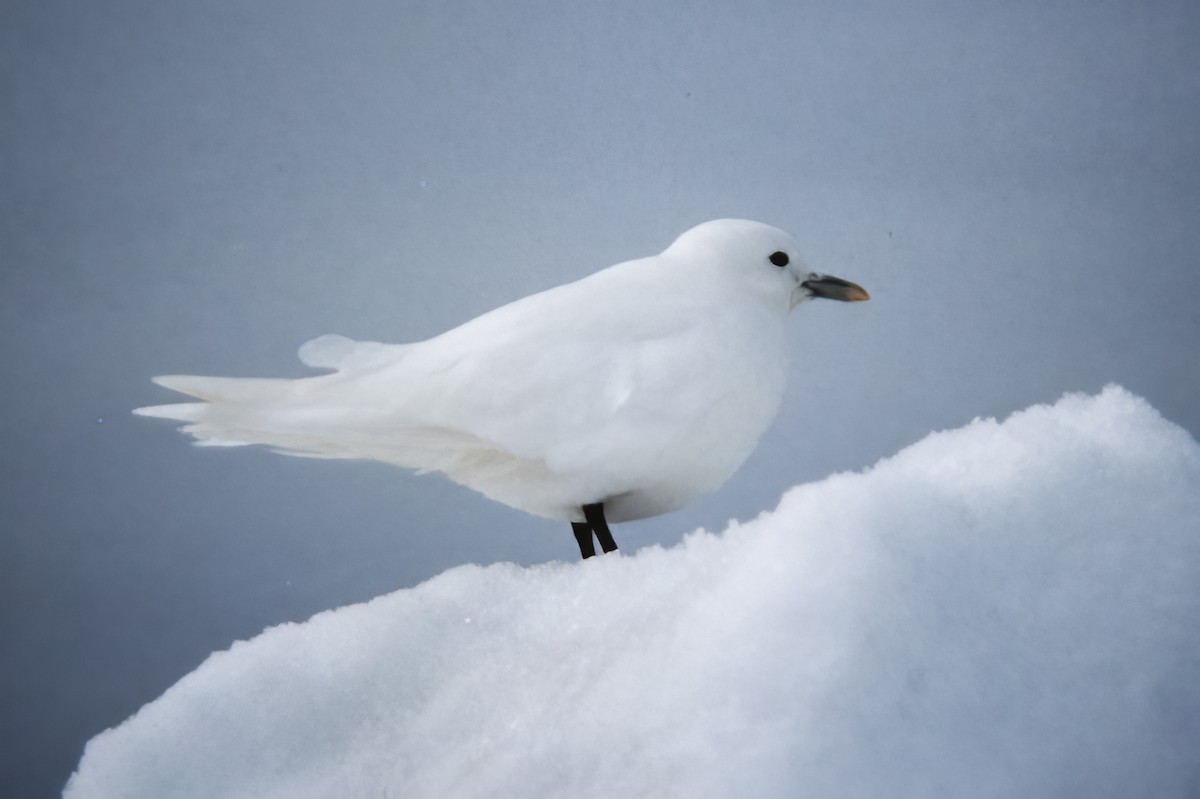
(834,288)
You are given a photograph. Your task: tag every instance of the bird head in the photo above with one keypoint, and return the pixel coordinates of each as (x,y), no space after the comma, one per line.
(763,259)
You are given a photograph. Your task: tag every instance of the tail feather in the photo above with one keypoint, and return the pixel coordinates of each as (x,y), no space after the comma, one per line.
(225,389)
(236,411)
(331,416)
(195,414)
(178,411)
(310,417)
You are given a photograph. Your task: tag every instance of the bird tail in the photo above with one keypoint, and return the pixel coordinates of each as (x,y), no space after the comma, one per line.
(235,411)
(297,417)
(339,415)
(312,418)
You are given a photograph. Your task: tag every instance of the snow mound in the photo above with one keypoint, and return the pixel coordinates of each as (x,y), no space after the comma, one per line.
(1007,609)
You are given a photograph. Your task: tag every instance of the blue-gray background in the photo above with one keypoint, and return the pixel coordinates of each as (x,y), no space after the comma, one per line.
(200,187)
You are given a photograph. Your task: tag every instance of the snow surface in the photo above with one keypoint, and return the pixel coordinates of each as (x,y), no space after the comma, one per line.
(1008,609)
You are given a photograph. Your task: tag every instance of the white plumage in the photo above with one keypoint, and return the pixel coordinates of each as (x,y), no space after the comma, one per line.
(639,387)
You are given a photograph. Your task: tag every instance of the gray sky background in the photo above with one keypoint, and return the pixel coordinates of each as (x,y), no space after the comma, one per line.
(201,187)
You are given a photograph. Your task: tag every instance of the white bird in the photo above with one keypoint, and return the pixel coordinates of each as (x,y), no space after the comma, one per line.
(620,396)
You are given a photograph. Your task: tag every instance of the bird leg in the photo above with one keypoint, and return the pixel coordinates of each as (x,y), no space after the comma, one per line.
(594,513)
(583,534)
(596,523)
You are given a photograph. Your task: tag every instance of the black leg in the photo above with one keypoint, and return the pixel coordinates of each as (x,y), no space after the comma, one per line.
(583,534)
(594,513)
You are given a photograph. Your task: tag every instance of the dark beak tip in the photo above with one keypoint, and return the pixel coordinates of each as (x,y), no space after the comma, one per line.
(835,288)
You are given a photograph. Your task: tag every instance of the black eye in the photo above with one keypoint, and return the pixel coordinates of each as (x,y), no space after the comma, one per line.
(779,258)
